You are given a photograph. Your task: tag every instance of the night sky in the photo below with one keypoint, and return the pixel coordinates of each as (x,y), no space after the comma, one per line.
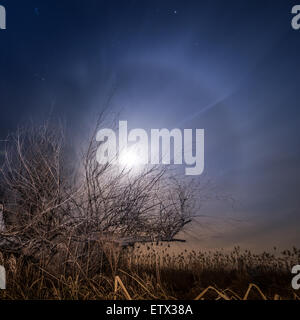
(230,67)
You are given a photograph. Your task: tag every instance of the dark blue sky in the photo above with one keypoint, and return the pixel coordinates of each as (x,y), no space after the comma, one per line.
(230,67)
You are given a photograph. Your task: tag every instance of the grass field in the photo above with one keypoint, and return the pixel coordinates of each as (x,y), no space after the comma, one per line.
(153,272)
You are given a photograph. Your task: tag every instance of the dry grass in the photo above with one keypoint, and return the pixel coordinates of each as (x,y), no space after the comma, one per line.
(152,272)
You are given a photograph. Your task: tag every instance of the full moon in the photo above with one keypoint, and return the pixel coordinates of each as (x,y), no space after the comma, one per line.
(130,158)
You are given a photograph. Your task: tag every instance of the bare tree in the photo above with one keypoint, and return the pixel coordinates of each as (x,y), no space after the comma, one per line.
(53,212)
(35,186)
(148,205)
